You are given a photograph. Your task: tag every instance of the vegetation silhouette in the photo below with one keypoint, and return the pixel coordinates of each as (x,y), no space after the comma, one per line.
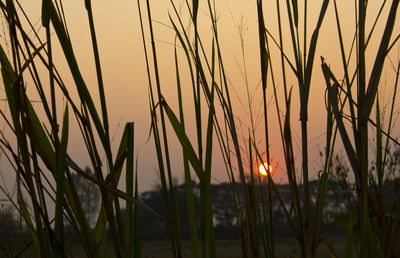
(50,202)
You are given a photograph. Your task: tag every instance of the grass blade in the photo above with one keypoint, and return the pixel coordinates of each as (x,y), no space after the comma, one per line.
(378,65)
(184,140)
(98,67)
(188,180)
(60,168)
(332,90)
(77,76)
(129,216)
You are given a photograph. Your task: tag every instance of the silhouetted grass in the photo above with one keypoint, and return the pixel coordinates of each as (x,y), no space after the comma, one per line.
(43,167)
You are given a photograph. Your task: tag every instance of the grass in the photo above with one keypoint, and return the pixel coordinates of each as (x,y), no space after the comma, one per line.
(43,167)
(36,142)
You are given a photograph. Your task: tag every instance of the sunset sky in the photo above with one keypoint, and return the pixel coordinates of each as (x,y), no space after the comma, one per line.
(126,85)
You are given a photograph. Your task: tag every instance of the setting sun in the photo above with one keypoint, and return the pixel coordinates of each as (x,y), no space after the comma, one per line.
(263,170)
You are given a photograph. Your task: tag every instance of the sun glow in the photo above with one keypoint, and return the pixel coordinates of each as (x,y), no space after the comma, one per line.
(264,169)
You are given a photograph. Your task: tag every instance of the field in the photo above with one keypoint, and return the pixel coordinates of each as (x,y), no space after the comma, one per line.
(286,247)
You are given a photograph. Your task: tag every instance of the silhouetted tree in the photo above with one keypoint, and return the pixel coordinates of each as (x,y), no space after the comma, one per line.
(8,231)
(88,193)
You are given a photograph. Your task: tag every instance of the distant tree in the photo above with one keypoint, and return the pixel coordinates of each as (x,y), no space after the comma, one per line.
(88,193)
(340,197)
(224,211)
(153,228)
(392,161)
(8,230)
(223,203)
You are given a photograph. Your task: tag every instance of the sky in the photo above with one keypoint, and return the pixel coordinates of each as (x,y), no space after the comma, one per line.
(126,86)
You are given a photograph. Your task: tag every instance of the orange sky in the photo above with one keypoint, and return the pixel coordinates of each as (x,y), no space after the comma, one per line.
(126,86)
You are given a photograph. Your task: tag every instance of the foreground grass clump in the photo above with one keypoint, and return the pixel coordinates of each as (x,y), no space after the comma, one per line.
(38,151)
(210,88)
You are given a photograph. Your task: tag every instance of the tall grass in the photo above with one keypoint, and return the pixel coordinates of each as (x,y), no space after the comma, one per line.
(207,72)
(38,152)
(370,210)
(43,167)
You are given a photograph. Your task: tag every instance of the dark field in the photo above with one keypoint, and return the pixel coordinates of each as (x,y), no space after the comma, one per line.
(285,247)
(231,248)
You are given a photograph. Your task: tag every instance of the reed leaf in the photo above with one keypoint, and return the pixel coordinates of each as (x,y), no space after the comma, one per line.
(184,140)
(61,153)
(195,4)
(263,51)
(45,12)
(284,56)
(130,188)
(188,180)
(378,65)
(9,79)
(88,6)
(346,75)
(39,137)
(379,158)
(313,47)
(295,9)
(77,76)
(332,93)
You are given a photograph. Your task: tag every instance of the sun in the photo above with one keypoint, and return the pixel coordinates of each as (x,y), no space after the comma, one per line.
(264,169)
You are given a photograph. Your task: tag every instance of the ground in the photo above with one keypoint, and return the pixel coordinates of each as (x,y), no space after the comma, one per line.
(225,249)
